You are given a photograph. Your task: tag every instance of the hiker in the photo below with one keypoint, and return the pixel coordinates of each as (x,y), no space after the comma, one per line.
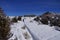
(23,20)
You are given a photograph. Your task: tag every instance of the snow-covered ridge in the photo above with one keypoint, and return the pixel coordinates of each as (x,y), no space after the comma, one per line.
(31,30)
(42,32)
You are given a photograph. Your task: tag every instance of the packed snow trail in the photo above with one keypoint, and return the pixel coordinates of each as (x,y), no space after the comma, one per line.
(42,32)
(20,32)
(33,36)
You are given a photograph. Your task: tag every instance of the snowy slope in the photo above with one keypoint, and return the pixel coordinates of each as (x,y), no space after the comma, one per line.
(19,33)
(31,30)
(42,32)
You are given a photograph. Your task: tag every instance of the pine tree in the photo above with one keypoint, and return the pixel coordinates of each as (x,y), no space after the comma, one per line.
(19,18)
(4,26)
(14,20)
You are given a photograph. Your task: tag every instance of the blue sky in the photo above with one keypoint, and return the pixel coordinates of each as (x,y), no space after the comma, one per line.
(22,7)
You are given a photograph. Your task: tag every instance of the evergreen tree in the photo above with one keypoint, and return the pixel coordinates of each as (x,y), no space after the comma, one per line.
(4,26)
(19,18)
(14,19)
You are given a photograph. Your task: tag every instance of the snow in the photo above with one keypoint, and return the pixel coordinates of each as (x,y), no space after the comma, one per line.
(42,32)
(33,31)
(17,31)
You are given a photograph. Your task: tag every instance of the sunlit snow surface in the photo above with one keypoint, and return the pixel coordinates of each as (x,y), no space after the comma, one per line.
(35,31)
(18,32)
(42,32)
